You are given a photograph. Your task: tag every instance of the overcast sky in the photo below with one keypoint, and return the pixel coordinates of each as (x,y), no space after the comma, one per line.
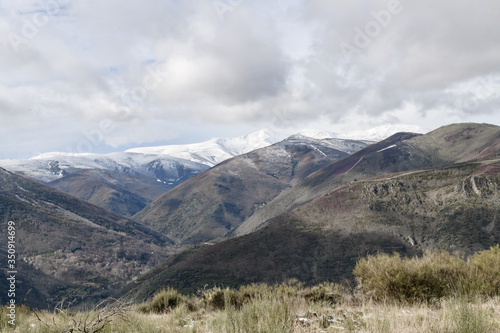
(88,75)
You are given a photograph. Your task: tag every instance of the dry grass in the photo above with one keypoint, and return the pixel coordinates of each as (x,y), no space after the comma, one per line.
(394,298)
(274,312)
(438,274)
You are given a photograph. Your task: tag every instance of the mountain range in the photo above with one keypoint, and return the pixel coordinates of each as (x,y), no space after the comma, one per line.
(125,182)
(405,194)
(121,182)
(252,209)
(71,249)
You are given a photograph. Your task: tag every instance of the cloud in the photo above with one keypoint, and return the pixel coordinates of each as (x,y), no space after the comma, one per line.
(146,66)
(422,51)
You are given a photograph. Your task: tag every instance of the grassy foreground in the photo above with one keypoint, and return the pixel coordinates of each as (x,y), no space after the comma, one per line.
(437,293)
(274,313)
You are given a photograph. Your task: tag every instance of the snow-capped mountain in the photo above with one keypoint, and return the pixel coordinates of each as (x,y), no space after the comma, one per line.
(373,134)
(213,151)
(125,182)
(48,167)
(378,133)
(121,182)
(327,139)
(168,163)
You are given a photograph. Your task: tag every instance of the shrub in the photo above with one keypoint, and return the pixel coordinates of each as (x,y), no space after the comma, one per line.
(165,301)
(220,299)
(268,314)
(437,274)
(330,293)
(485,272)
(409,280)
(252,291)
(289,288)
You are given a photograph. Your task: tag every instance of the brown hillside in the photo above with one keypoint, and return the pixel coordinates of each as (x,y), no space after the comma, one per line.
(88,252)
(216,202)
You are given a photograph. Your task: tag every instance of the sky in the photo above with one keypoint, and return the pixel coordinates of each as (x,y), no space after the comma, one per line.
(100,76)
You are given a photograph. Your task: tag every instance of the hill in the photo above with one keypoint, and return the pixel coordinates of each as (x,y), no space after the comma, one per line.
(69,249)
(400,152)
(120,192)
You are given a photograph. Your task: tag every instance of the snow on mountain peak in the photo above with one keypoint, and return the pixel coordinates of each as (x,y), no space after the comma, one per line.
(46,166)
(316,134)
(56,155)
(379,133)
(214,151)
(374,134)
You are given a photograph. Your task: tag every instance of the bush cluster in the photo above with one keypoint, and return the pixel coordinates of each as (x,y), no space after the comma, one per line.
(165,301)
(436,275)
(218,298)
(326,292)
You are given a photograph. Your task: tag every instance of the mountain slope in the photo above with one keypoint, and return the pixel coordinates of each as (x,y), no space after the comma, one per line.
(87,251)
(400,152)
(454,208)
(450,202)
(332,175)
(33,285)
(121,182)
(122,193)
(213,204)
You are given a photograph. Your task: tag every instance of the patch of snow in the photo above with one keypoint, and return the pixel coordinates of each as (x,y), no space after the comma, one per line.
(22,199)
(318,150)
(391,146)
(22,189)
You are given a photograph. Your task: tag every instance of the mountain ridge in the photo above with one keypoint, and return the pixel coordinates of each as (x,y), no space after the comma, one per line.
(400,152)
(214,203)
(321,240)
(448,201)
